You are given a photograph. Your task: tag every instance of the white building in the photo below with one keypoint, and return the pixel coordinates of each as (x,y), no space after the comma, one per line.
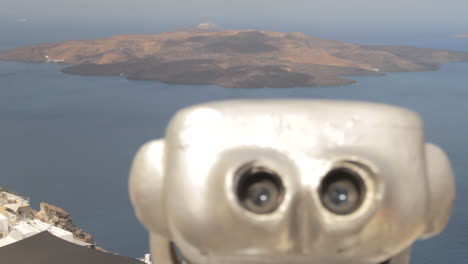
(4,223)
(208,26)
(25,229)
(147,259)
(14,225)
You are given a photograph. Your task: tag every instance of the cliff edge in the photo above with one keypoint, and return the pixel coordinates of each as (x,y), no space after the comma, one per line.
(58,217)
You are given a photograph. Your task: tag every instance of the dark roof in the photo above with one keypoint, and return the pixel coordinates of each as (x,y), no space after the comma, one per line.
(45,248)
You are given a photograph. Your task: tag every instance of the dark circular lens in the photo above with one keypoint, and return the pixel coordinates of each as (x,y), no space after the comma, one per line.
(342,191)
(259,190)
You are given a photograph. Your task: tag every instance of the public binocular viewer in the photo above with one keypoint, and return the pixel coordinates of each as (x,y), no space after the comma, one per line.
(289,182)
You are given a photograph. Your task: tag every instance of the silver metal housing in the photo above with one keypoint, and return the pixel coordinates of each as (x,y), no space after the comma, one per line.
(183,187)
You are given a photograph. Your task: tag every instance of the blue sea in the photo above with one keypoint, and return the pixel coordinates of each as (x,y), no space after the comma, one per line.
(69,140)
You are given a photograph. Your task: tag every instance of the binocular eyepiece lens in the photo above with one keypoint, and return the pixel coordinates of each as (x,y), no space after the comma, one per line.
(259,190)
(342,191)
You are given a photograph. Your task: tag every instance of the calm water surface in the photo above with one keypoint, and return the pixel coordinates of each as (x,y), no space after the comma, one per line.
(69,140)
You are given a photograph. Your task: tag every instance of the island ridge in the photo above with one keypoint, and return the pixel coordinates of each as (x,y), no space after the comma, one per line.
(232,58)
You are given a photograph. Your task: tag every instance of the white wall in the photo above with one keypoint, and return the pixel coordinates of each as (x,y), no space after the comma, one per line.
(3,225)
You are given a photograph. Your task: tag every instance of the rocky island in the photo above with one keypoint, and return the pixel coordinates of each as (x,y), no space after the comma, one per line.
(232,58)
(462,36)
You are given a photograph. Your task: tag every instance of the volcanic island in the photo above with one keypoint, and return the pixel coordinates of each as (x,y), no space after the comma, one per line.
(232,58)
(462,36)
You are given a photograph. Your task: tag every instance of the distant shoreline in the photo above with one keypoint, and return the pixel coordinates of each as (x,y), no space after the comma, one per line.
(461,36)
(232,58)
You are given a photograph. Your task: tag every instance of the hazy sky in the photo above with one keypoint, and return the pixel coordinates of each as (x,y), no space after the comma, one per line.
(328,11)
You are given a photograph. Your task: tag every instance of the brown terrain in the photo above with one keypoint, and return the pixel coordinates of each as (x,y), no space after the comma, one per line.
(241,58)
(462,36)
(49,214)
(58,217)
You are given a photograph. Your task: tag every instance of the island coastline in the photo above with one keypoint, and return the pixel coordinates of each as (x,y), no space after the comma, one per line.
(232,58)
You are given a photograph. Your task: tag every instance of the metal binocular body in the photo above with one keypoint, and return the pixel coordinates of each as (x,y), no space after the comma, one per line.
(291,181)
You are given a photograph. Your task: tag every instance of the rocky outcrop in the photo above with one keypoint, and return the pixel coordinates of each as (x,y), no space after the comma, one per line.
(58,217)
(26,212)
